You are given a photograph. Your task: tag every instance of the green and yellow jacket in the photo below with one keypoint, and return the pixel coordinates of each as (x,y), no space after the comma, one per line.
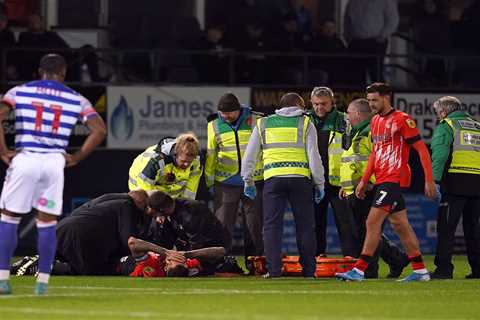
(330,131)
(456,154)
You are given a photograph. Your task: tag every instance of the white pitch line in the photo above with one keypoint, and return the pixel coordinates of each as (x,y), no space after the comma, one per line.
(159,315)
(157,291)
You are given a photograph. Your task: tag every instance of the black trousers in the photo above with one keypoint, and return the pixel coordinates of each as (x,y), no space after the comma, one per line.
(387,250)
(343,220)
(298,192)
(450,210)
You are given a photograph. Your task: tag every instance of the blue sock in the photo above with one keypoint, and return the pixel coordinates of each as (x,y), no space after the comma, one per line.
(8,240)
(47,244)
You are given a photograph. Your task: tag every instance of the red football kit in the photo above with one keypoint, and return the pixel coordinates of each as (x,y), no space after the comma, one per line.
(154,266)
(392,135)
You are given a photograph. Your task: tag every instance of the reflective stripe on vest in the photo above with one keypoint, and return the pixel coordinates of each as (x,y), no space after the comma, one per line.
(227,163)
(466,146)
(334,155)
(354,162)
(166,177)
(283,144)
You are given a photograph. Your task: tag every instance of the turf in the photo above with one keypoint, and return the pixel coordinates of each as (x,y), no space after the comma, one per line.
(244,298)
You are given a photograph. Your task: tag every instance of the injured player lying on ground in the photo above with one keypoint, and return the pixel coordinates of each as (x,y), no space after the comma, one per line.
(146,260)
(150,260)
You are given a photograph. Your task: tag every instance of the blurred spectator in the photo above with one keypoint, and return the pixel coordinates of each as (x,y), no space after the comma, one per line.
(326,41)
(19,10)
(463,17)
(186,35)
(86,59)
(214,67)
(287,39)
(431,34)
(304,20)
(7,40)
(367,26)
(464,23)
(3,9)
(248,10)
(254,66)
(39,38)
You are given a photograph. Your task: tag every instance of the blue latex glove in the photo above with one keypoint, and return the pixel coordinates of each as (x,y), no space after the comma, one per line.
(318,196)
(250,191)
(439,194)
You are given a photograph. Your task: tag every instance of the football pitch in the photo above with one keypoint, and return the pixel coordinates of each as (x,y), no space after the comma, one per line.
(244,298)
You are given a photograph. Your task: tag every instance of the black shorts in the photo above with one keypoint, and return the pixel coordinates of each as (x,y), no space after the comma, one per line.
(388,196)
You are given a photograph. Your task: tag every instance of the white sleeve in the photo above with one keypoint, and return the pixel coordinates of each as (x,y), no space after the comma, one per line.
(87,110)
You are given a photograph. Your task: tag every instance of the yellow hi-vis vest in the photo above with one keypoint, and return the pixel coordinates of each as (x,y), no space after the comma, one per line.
(283,145)
(354,160)
(466,146)
(225,149)
(153,170)
(334,155)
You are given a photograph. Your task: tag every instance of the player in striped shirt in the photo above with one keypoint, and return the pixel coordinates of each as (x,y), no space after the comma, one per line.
(45,113)
(393,134)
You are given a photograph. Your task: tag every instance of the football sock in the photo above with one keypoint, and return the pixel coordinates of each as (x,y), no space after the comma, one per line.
(362,263)
(417,263)
(8,243)
(47,244)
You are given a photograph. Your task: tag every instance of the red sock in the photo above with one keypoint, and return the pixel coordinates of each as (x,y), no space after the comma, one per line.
(363,262)
(417,263)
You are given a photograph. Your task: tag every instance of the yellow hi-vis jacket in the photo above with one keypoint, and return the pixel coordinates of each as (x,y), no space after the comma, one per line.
(155,169)
(226,147)
(283,145)
(466,146)
(334,155)
(354,160)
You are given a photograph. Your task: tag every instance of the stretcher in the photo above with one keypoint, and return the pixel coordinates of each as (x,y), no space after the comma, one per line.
(326,267)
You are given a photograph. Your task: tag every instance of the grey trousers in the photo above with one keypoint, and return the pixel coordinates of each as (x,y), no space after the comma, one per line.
(227,202)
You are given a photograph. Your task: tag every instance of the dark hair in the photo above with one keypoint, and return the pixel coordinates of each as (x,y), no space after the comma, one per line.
(178,271)
(228,102)
(159,201)
(291,99)
(53,63)
(383,89)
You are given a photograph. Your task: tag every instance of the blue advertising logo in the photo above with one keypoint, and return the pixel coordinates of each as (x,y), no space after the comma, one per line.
(122,120)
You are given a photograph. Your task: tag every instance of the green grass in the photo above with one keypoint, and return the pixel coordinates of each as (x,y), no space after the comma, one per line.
(244,298)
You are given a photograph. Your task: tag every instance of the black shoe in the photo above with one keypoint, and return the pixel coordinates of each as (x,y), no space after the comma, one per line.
(440,276)
(229,264)
(270,276)
(396,270)
(29,268)
(16,265)
(473,276)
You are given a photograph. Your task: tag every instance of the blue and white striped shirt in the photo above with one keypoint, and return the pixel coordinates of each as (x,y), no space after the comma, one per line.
(45,113)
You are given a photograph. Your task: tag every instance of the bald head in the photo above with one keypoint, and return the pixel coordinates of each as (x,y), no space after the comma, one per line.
(358,110)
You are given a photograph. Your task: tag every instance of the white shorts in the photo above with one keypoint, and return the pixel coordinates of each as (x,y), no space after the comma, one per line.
(34,180)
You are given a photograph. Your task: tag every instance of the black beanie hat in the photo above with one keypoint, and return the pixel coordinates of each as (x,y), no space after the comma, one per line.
(228,103)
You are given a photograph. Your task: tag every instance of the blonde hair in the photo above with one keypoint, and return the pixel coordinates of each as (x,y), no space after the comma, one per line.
(187,142)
